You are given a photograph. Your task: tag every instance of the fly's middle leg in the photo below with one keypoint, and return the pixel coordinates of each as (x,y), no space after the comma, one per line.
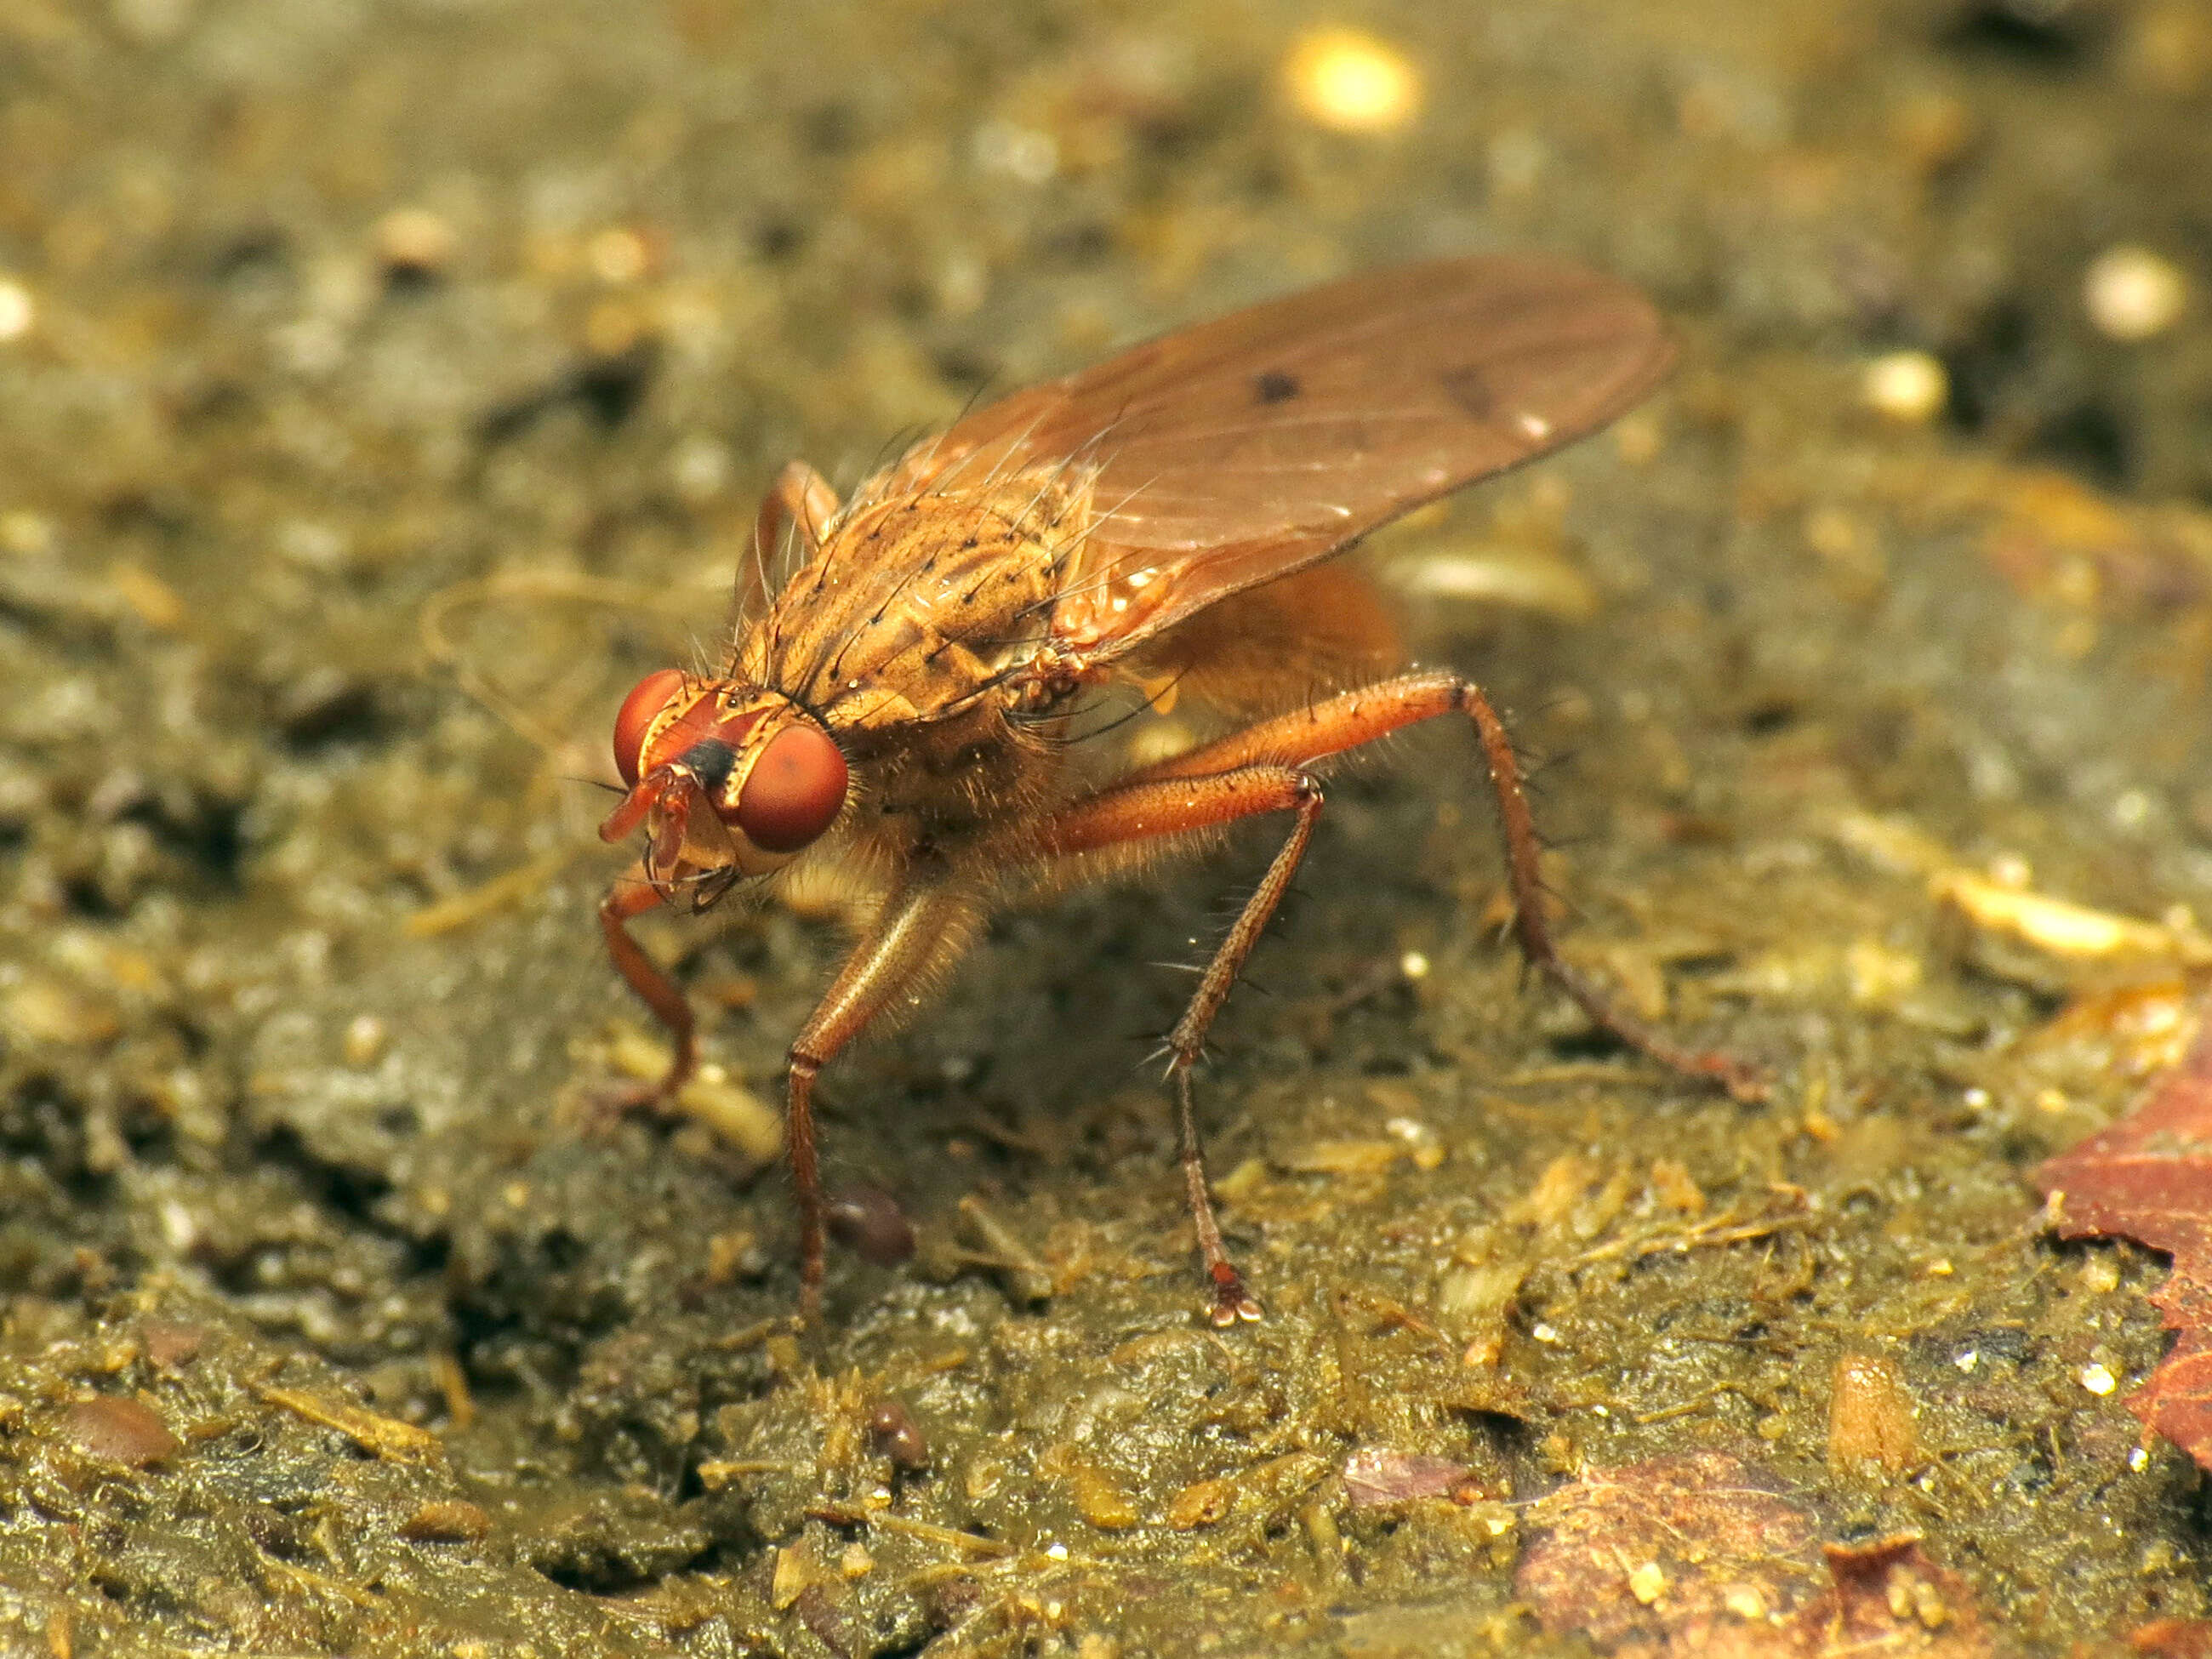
(1149,811)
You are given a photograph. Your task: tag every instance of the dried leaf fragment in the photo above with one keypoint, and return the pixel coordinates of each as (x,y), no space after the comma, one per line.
(2149,1177)
(1705,1523)
(1374,1475)
(1871,1416)
(387,1437)
(1702,1555)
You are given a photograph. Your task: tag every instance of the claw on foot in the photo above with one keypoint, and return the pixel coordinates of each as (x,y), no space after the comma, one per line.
(607,1104)
(1232,1302)
(1746,1084)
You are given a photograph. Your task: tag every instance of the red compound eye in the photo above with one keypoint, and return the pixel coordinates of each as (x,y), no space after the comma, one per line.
(639,710)
(794,790)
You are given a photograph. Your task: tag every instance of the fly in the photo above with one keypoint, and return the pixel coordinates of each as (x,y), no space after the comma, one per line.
(907,699)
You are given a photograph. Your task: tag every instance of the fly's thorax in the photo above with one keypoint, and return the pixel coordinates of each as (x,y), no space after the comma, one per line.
(916,606)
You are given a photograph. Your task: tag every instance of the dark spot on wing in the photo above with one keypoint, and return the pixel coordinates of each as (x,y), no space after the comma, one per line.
(1274,386)
(1469,388)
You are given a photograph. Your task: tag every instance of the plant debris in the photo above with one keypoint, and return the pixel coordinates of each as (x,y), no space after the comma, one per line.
(2149,1177)
(1704,1553)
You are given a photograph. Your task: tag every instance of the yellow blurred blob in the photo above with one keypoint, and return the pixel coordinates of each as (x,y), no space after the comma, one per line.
(1909,387)
(1349,82)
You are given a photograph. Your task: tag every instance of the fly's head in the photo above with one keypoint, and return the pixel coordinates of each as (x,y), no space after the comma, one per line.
(729,780)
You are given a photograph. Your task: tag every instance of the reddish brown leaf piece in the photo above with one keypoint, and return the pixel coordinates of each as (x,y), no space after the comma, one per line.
(2172,1638)
(1646,1559)
(1889,1598)
(1704,1554)
(2149,1177)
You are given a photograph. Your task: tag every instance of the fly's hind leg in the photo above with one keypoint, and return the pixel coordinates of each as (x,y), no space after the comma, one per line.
(1353,717)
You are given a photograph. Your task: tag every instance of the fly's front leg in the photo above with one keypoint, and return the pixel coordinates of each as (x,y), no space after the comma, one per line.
(917,934)
(633,894)
(1346,721)
(1147,812)
(799,497)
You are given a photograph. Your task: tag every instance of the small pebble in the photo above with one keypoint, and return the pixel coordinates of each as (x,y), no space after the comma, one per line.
(1023,154)
(1934,129)
(1910,387)
(1105,1502)
(366,1037)
(2132,294)
(700,468)
(894,1432)
(414,242)
(26,534)
(121,1431)
(1201,1504)
(49,1011)
(1745,1601)
(2098,1379)
(731,1254)
(619,255)
(867,1221)
(1648,1582)
(323,704)
(796,1571)
(171,1343)
(148,598)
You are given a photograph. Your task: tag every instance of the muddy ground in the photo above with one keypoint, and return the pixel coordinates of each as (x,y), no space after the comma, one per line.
(385,387)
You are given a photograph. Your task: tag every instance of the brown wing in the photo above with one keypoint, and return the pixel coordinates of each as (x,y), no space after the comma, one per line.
(1241,449)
